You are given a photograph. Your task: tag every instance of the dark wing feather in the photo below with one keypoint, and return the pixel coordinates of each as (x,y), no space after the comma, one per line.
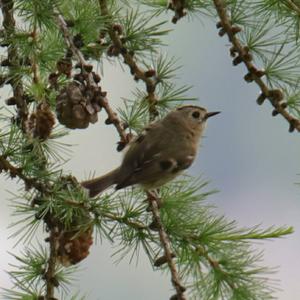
(142,154)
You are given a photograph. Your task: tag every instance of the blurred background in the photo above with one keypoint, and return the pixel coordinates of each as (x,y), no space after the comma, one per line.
(248,155)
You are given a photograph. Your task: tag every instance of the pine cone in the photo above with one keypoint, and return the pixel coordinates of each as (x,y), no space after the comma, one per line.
(73,238)
(73,247)
(77,105)
(64,66)
(41,122)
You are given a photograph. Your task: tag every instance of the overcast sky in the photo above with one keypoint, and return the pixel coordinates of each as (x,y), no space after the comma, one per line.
(248,155)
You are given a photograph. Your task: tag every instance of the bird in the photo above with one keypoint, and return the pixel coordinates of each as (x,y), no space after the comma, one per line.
(161,152)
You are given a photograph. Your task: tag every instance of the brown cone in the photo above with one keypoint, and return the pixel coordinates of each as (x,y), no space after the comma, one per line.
(77,105)
(74,246)
(40,123)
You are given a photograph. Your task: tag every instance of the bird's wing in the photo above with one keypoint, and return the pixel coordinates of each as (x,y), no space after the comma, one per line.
(150,157)
(142,154)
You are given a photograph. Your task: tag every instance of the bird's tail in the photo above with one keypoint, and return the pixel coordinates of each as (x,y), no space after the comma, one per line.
(99,184)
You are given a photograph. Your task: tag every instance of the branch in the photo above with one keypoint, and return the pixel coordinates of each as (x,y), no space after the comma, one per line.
(111,216)
(30,182)
(133,224)
(165,241)
(179,8)
(13,59)
(292,5)
(13,171)
(150,82)
(49,277)
(138,73)
(216,266)
(275,97)
(112,115)
(35,67)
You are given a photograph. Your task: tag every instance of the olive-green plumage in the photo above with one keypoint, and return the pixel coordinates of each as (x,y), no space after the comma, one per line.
(160,153)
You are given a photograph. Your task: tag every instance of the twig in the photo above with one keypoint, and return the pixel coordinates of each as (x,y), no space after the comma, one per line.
(13,171)
(165,242)
(216,266)
(134,224)
(6,166)
(136,71)
(110,216)
(150,83)
(293,6)
(13,58)
(112,115)
(179,8)
(35,67)
(49,275)
(152,100)
(275,97)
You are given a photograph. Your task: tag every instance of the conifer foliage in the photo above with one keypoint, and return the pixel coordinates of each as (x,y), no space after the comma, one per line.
(49,53)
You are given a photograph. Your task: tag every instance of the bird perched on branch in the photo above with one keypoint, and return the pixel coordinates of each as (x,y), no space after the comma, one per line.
(159,154)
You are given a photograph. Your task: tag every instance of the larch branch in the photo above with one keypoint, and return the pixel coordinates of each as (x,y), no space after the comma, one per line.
(112,115)
(275,97)
(135,69)
(166,244)
(9,23)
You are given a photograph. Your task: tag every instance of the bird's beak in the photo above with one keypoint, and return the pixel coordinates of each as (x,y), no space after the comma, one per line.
(210,114)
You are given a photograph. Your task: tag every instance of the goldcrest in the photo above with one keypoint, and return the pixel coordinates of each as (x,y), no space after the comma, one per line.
(160,153)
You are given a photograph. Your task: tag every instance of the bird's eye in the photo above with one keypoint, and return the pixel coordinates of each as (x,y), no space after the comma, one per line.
(196,114)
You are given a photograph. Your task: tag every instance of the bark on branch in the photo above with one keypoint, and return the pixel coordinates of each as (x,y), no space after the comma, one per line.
(242,54)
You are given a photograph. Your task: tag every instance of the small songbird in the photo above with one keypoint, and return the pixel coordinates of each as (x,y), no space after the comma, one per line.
(160,153)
